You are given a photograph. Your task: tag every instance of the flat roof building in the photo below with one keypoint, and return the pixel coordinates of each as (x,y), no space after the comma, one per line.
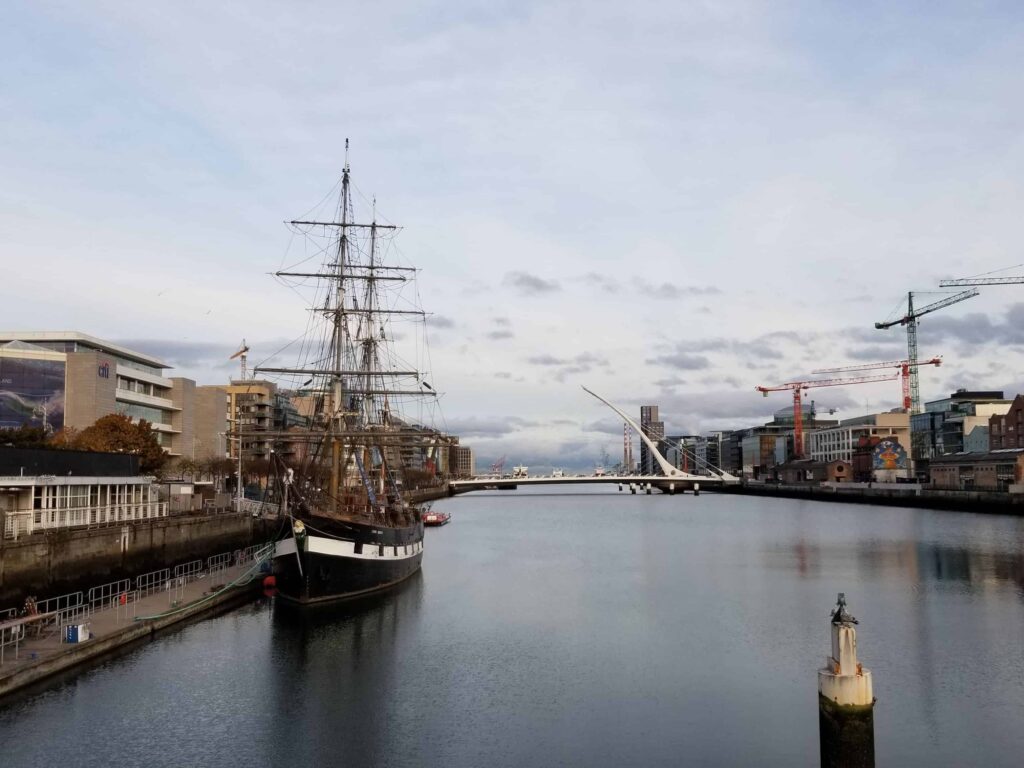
(57,379)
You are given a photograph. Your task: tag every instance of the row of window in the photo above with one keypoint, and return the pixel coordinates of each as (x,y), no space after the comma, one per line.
(72,496)
(139,412)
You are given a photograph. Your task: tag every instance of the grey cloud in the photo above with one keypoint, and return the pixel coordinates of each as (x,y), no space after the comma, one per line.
(477,426)
(498,335)
(545,360)
(670,381)
(530,285)
(671,290)
(603,282)
(440,321)
(682,361)
(502,321)
(569,366)
(503,375)
(182,353)
(977,328)
(605,426)
(871,354)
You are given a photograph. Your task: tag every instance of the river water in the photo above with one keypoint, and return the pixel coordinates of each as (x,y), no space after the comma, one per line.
(585,628)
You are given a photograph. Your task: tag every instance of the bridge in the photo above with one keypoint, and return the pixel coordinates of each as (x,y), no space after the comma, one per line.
(635,483)
(672,480)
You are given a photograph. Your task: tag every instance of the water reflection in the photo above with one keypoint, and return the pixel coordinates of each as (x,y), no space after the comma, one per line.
(336,672)
(912,561)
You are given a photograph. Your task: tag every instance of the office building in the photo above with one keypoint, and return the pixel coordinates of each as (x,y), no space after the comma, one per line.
(654,428)
(63,379)
(841,441)
(1006,430)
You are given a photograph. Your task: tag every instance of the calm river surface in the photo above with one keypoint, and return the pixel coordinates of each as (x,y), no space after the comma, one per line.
(586,628)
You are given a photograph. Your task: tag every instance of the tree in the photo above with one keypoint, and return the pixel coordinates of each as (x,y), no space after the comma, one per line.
(24,437)
(117,433)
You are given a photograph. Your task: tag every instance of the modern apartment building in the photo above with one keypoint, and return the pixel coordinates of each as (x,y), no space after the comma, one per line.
(956,424)
(1006,430)
(841,441)
(654,428)
(69,379)
(462,461)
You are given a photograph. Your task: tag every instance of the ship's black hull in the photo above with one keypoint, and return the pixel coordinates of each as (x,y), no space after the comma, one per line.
(336,560)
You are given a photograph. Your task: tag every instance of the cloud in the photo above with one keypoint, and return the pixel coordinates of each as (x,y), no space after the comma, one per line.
(682,361)
(603,282)
(499,335)
(564,367)
(604,426)
(530,285)
(477,426)
(671,290)
(440,321)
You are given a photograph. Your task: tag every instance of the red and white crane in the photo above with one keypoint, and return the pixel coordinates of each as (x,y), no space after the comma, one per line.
(798,388)
(904,366)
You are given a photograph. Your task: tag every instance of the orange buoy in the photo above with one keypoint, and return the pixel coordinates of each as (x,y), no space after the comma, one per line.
(269,582)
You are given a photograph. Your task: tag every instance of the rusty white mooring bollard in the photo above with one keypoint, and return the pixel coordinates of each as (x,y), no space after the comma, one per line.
(846,725)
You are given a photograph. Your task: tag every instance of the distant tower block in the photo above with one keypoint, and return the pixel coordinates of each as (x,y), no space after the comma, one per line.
(845,701)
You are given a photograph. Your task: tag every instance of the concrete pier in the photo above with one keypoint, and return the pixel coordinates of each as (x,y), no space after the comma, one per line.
(846,701)
(117,625)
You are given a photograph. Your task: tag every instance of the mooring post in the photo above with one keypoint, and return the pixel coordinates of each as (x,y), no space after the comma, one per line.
(648,489)
(696,489)
(632,488)
(671,489)
(846,725)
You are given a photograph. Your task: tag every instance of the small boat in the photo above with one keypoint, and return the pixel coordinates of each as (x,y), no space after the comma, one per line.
(436,519)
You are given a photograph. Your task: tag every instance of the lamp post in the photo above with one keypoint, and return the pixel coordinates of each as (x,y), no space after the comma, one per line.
(238,486)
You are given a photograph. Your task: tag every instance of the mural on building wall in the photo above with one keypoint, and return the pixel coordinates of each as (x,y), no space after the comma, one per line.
(31,393)
(889,454)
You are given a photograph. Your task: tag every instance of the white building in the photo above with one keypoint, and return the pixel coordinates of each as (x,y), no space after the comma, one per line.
(838,442)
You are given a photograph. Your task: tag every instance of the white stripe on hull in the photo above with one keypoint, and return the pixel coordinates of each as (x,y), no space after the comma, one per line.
(343,548)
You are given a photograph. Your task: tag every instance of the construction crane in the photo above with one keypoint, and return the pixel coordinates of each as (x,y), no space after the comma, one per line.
(798,388)
(982,280)
(905,366)
(910,320)
(498,466)
(241,353)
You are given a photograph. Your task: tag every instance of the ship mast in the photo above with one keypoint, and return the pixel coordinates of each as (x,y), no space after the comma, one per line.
(340,322)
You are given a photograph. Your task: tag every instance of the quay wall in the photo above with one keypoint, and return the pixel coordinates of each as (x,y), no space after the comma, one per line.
(76,655)
(896,496)
(59,561)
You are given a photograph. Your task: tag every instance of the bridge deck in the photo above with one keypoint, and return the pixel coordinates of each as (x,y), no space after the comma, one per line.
(657,481)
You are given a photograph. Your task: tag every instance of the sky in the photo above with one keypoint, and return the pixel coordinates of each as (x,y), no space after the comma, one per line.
(667,202)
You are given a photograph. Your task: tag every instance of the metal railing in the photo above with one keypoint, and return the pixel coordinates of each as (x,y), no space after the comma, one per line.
(125,606)
(22,522)
(58,603)
(188,571)
(217,564)
(259,508)
(102,595)
(75,615)
(151,582)
(12,635)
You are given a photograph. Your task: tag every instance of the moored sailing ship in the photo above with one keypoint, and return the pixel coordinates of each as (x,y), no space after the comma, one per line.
(351,531)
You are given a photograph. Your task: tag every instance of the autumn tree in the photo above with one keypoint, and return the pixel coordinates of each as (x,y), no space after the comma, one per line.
(117,433)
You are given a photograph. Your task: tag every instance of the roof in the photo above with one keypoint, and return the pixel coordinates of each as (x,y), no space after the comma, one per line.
(979,457)
(81,338)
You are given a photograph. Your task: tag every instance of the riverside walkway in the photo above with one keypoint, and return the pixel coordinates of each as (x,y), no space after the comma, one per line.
(34,646)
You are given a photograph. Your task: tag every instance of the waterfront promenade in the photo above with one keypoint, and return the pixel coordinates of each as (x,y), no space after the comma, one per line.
(34,647)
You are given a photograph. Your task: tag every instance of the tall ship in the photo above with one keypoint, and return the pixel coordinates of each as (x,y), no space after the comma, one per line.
(349,527)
